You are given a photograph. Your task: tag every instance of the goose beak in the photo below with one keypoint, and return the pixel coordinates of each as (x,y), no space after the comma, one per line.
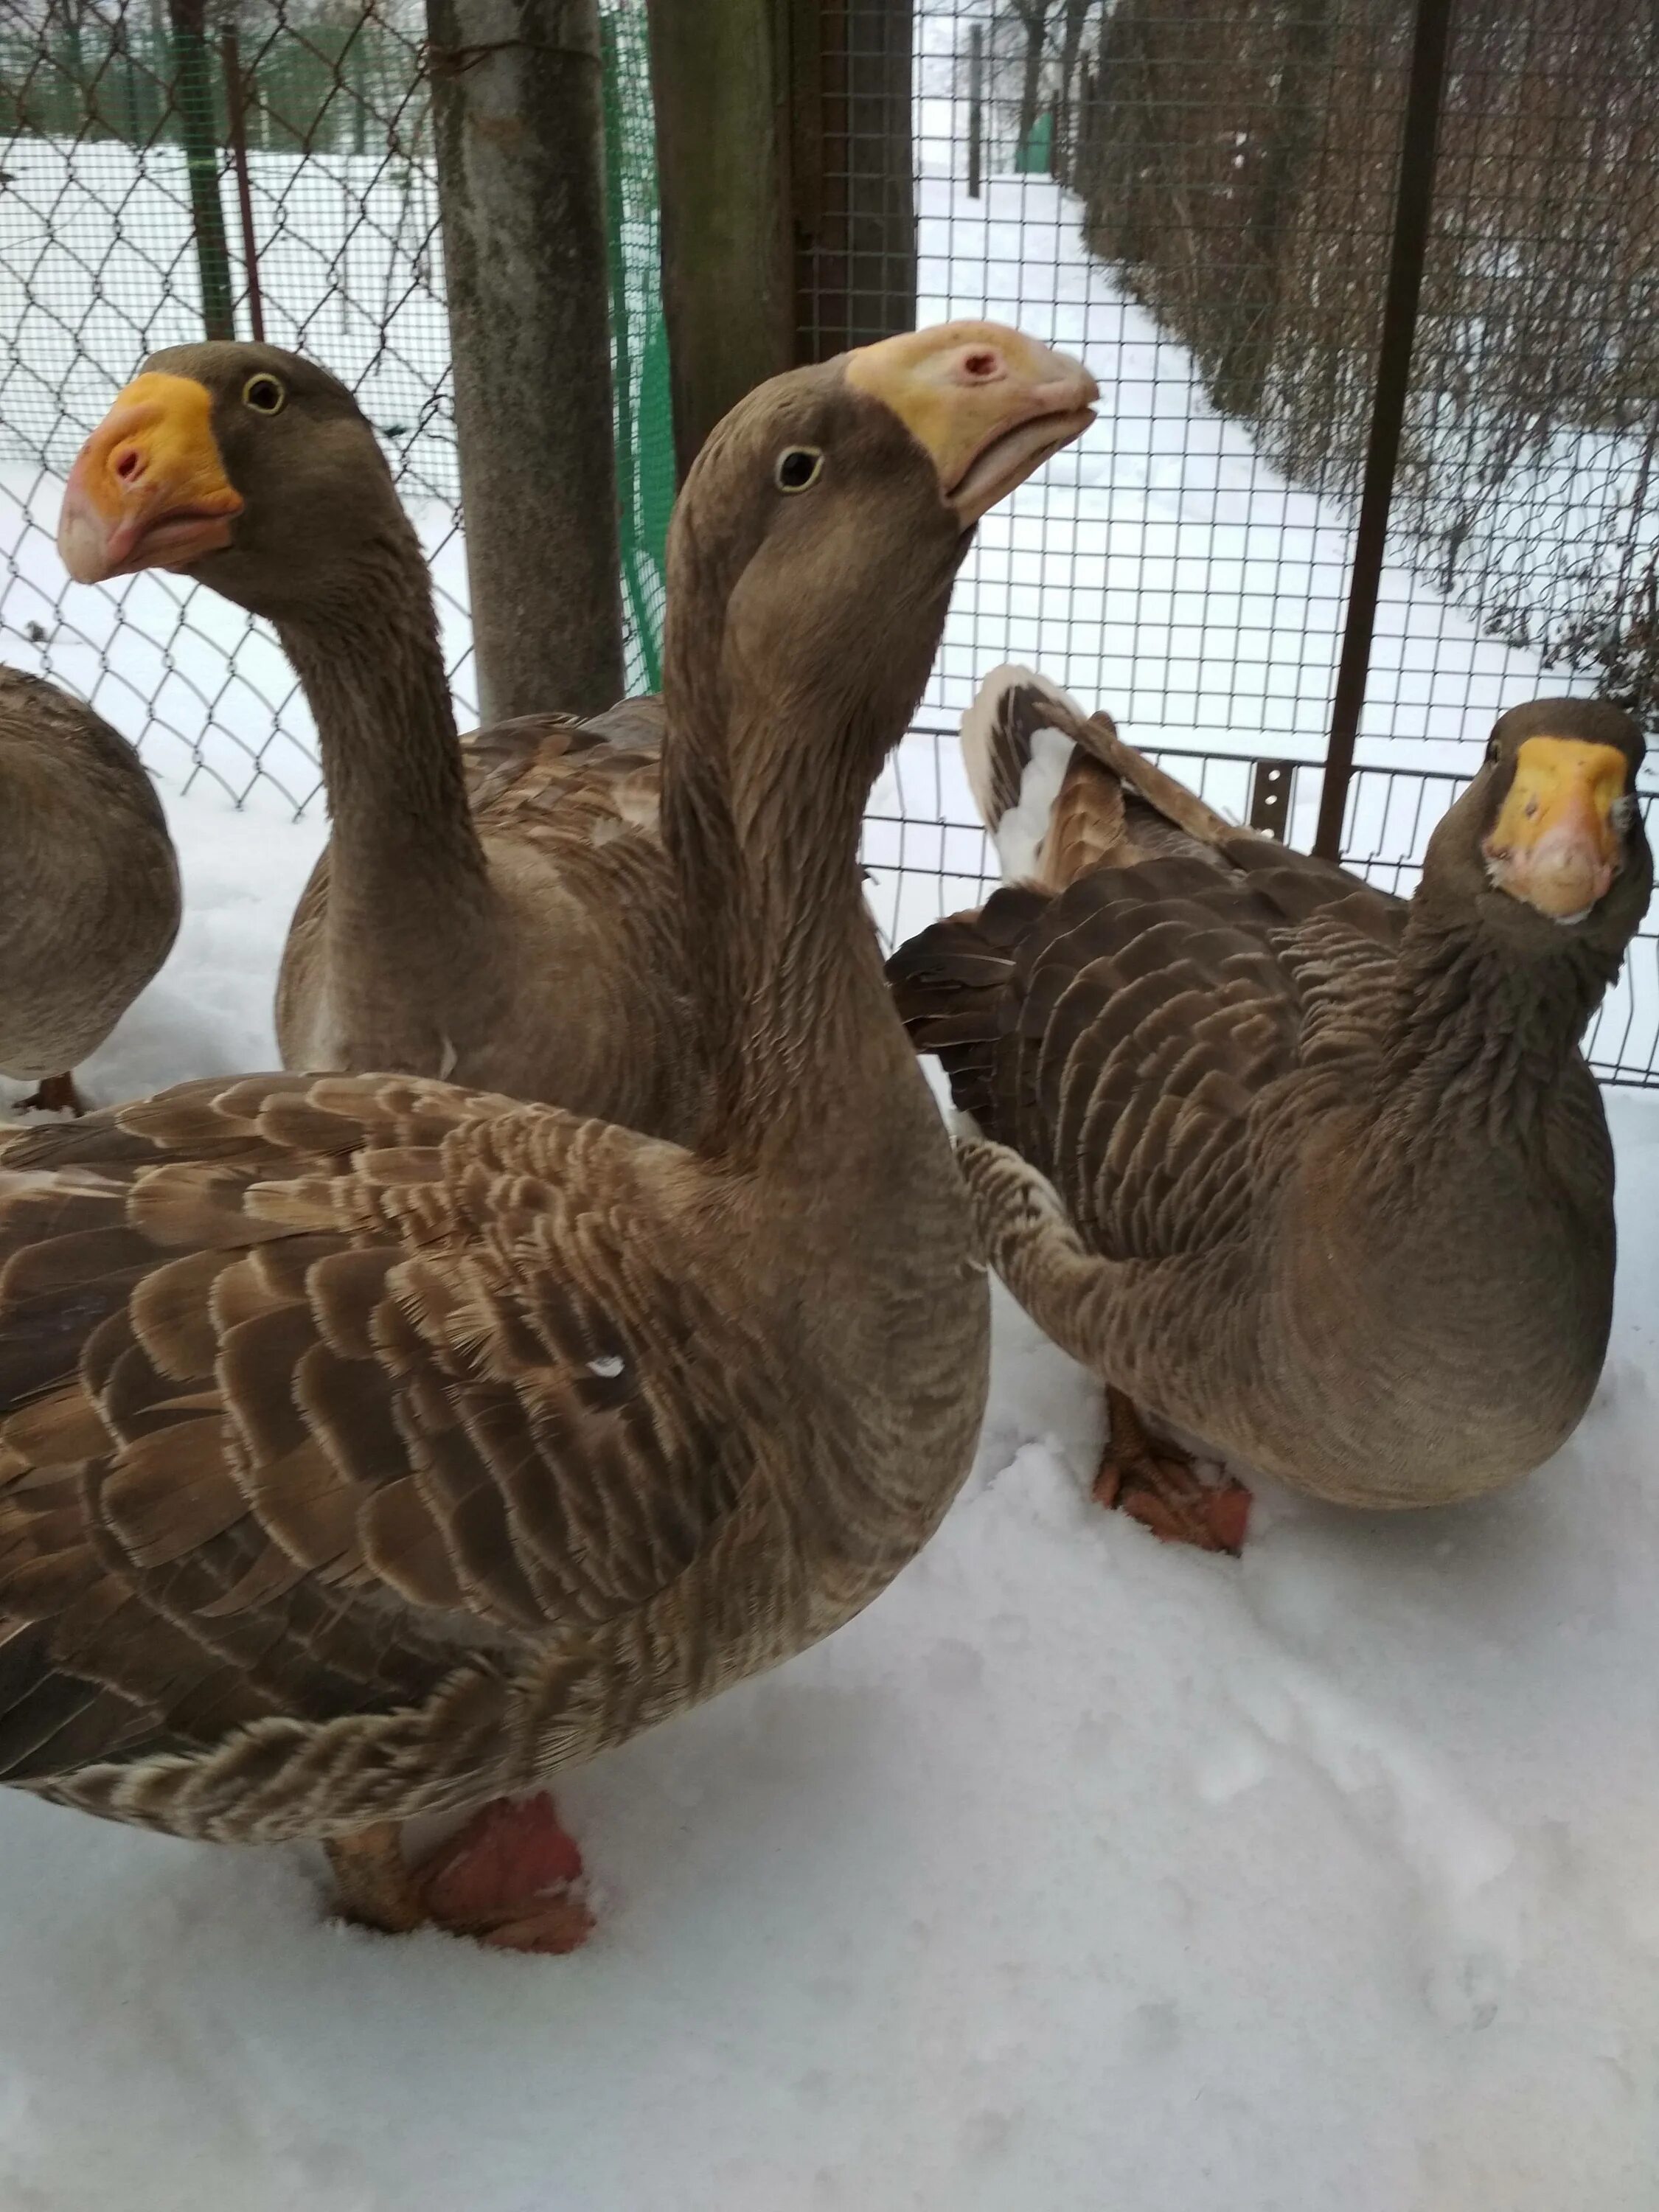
(148,489)
(1560,837)
(989,404)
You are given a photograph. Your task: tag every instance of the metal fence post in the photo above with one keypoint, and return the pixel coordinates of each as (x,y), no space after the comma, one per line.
(975,110)
(236,103)
(1413,204)
(192,99)
(519,125)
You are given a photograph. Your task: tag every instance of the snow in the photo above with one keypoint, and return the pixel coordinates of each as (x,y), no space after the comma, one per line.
(1077,1873)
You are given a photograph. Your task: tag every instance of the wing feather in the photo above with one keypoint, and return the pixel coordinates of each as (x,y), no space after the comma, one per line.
(312,1389)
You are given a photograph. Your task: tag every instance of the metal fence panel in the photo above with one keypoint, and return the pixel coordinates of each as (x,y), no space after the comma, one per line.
(1200,200)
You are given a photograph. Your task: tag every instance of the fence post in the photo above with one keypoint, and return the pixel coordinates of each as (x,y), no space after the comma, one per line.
(518,121)
(717,77)
(193,101)
(975,110)
(858,243)
(236,104)
(1413,204)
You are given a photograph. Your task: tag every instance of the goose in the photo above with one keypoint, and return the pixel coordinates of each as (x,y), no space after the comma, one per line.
(501,912)
(371,1446)
(1316,1174)
(88,885)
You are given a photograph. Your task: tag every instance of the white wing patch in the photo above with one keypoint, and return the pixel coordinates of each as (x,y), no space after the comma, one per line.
(1023,828)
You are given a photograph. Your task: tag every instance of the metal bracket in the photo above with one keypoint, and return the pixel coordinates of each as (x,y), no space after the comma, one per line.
(1271,785)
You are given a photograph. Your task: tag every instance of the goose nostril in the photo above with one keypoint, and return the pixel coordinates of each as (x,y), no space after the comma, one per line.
(980,365)
(129,463)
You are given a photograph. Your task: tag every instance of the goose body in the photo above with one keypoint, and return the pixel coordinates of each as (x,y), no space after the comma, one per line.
(88,883)
(370,1445)
(1316,1173)
(559,974)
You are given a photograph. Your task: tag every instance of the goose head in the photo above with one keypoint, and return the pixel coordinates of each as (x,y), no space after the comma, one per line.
(247,468)
(821,527)
(1546,845)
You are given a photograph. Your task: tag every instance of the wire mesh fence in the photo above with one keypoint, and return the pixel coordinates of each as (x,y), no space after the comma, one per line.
(1197,197)
(267,172)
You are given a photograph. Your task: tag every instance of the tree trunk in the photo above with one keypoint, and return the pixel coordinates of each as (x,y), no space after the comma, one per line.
(518,121)
(1034,15)
(1077,15)
(1239,380)
(854,174)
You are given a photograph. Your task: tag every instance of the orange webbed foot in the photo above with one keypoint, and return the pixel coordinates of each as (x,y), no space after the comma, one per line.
(1160,1487)
(512,1878)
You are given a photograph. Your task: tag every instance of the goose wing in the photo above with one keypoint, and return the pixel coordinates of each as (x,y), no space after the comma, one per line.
(1122,1032)
(322,1398)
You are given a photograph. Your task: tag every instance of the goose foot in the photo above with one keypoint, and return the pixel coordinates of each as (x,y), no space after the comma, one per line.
(54,1093)
(512,1878)
(1160,1487)
(372,1886)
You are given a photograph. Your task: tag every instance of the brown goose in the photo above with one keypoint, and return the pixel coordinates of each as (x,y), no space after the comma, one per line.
(1316,1173)
(88,883)
(369,1446)
(500,914)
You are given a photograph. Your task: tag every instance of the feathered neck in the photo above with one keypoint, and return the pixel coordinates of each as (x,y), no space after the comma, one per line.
(764,785)
(1479,1032)
(406,864)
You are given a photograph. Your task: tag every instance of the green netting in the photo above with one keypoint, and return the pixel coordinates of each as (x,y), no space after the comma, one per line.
(639,339)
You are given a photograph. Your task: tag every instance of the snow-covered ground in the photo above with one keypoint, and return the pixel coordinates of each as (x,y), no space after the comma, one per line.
(1078,1874)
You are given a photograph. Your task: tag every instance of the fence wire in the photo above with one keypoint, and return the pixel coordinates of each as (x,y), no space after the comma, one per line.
(1199,198)
(122,230)
(1196,195)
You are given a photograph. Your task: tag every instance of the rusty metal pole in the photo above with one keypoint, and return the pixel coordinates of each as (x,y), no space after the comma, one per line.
(1413,205)
(236,104)
(520,130)
(192,102)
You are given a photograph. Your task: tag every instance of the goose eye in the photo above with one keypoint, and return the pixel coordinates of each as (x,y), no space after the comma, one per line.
(1492,750)
(798,468)
(263,393)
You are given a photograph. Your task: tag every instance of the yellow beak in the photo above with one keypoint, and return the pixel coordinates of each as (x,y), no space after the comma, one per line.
(148,489)
(1559,839)
(990,403)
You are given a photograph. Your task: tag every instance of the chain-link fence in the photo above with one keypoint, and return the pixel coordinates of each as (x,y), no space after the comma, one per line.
(166,172)
(1197,197)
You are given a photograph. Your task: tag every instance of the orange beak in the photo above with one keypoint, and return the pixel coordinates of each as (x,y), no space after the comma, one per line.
(148,489)
(1559,840)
